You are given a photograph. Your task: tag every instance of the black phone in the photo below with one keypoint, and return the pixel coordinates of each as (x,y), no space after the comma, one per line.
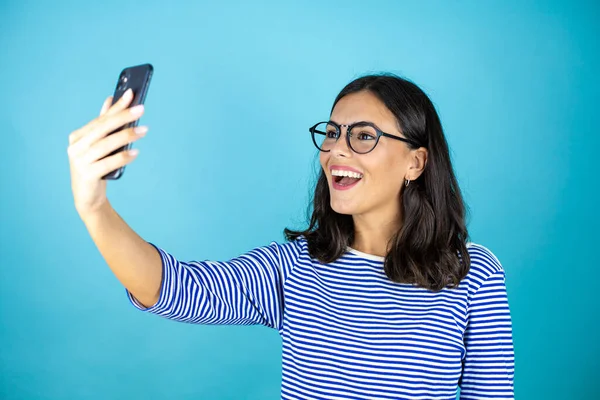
(136,78)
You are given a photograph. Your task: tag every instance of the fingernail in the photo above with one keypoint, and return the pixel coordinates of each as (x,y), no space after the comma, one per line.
(140,130)
(127,94)
(133,152)
(137,110)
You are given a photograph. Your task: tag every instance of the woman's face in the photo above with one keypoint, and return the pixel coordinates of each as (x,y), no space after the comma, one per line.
(383,170)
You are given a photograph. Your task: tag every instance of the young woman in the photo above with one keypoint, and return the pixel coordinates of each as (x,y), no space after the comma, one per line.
(381,297)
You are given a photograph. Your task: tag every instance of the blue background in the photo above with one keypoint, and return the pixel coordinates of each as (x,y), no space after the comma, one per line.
(228,163)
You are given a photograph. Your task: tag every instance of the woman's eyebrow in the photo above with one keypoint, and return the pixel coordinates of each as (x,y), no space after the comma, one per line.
(355,122)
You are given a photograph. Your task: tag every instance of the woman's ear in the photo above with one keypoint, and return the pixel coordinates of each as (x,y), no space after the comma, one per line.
(418,161)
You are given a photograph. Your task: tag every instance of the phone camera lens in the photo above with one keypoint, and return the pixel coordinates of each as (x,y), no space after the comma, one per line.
(123,79)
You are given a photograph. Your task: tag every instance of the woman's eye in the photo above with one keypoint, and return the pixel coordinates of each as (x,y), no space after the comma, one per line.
(331,134)
(365,136)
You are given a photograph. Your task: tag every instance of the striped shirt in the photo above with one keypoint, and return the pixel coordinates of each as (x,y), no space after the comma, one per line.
(348,331)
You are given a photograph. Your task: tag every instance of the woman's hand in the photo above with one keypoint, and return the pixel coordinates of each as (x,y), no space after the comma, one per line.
(89,145)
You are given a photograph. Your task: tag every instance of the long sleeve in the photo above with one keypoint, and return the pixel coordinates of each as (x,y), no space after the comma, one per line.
(245,290)
(488,367)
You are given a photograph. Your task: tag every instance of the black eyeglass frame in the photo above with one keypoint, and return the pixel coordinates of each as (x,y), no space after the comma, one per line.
(338,130)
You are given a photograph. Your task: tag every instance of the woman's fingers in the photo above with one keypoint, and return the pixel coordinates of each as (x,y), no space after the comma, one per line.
(111,143)
(107,109)
(104,125)
(122,103)
(109,164)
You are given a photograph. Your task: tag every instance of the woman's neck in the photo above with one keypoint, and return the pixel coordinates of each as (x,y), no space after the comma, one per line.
(372,235)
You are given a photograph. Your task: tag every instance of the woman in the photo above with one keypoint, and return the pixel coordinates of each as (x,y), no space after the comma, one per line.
(381,297)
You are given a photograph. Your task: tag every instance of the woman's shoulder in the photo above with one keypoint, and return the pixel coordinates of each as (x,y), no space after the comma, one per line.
(484,263)
(299,243)
(290,250)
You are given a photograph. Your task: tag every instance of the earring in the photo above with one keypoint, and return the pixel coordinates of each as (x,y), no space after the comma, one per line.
(407,182)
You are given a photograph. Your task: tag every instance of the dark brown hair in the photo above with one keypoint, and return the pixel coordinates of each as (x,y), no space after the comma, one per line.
(429,249)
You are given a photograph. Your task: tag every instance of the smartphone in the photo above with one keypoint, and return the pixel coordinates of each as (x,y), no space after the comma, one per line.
(138,79)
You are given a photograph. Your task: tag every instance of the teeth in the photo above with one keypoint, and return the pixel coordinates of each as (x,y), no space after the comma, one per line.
(350,174)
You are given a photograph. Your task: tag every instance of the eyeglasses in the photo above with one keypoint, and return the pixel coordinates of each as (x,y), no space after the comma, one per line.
(361,137)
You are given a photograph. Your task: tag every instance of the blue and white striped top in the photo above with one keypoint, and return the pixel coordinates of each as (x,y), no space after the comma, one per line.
(348,332)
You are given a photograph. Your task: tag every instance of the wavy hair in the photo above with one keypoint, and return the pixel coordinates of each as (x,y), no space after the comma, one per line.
(429,249)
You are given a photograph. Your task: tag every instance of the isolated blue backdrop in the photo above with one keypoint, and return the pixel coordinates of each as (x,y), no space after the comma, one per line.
(228,163)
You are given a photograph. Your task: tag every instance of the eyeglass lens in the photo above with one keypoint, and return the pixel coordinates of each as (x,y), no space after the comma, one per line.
(363,138)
